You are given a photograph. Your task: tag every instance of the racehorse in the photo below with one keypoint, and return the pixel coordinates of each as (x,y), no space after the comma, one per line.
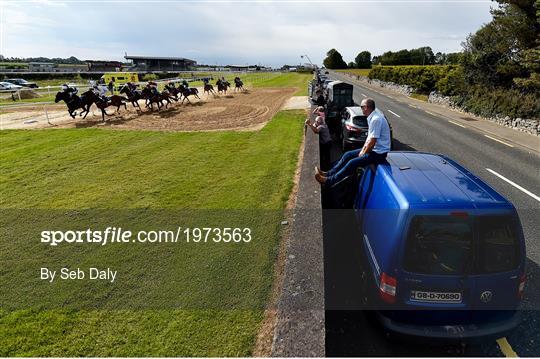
(133,96)
(74,102)
(188,92)
(209,88)
(222,86)
(173,91)
(239,85)
(114,100)
(156,98)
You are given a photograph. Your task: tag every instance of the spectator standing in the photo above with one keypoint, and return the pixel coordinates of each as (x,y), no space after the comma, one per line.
(325,140)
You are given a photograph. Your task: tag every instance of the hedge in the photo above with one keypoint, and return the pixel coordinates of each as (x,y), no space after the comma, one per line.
(423,78)
(448,80)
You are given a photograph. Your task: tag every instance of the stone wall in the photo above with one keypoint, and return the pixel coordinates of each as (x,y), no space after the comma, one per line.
(521,124)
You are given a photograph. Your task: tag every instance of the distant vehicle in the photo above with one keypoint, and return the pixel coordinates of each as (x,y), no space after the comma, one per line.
(4,86)
(119,79)
(340,95)
(23,83)
(444,252)
(354,128)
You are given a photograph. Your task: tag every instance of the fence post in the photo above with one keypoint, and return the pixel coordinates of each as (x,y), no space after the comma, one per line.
(47,115)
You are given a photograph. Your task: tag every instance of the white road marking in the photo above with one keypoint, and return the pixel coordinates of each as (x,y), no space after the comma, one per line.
(413,106)
(431,113)
(494,139)
(514,184)
(393,113)
(457,124)
(364,95)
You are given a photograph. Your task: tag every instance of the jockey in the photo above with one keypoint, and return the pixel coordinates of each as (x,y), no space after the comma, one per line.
(131,86)
(69,90)
(153,88)
(185,83)
(101,91)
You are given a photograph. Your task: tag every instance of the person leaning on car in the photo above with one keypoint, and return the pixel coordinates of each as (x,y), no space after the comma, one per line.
(374,151)
(325,141)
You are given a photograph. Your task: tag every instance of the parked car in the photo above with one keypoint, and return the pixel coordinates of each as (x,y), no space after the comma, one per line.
(23,83)
(445,253)
(354,128)
(9,86)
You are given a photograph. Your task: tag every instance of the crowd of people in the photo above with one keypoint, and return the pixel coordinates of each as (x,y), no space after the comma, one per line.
(374,150)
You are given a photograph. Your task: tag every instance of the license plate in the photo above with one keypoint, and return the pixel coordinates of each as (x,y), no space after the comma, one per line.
(438,297)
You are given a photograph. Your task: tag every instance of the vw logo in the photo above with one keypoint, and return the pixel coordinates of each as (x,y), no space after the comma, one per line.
(486,296)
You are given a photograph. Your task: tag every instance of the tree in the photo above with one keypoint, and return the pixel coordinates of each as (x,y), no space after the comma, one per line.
(363,60)
(334,60)
(501,53)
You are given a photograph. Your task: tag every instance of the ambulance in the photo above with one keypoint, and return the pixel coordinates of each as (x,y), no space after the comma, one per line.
(119,79)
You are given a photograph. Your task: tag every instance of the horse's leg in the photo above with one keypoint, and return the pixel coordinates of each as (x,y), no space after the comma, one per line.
(86,110)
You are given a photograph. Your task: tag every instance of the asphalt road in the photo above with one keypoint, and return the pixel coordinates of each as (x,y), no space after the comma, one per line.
(353,333)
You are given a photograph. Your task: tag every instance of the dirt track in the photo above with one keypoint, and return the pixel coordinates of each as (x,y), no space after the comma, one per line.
(247,111)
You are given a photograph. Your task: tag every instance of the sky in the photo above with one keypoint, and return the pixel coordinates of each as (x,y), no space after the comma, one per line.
(270,33)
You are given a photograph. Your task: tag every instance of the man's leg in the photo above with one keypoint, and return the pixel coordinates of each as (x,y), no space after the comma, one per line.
(351,167)
(347,156)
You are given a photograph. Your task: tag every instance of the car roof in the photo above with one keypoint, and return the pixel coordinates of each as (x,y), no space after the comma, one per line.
(422,178)
(355,110)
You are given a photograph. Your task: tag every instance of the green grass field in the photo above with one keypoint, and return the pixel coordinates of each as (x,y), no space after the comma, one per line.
(173,300)
(266,79)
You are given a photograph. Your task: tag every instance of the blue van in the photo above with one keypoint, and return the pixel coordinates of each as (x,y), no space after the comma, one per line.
(445,252)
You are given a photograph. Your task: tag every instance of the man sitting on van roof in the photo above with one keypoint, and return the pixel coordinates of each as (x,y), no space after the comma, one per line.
(374,151)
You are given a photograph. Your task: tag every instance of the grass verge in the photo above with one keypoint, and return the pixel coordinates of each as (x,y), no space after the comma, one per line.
(357,72)
(420,97)
(188,300)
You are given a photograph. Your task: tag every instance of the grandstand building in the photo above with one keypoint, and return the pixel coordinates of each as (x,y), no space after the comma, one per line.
(147,63)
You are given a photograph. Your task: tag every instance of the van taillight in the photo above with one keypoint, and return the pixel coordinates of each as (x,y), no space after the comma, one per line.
(521,287)
(459,214)
(387,288)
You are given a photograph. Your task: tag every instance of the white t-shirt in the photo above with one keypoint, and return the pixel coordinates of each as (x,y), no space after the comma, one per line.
(378,128)
(102,90)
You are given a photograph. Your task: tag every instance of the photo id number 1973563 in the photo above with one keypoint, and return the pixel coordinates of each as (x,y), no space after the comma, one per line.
(217,235)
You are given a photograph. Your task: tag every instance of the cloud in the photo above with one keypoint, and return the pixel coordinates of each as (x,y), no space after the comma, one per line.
(271,33)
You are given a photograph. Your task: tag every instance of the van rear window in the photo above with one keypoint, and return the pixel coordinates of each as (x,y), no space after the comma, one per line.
(439,245)
(499,249)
